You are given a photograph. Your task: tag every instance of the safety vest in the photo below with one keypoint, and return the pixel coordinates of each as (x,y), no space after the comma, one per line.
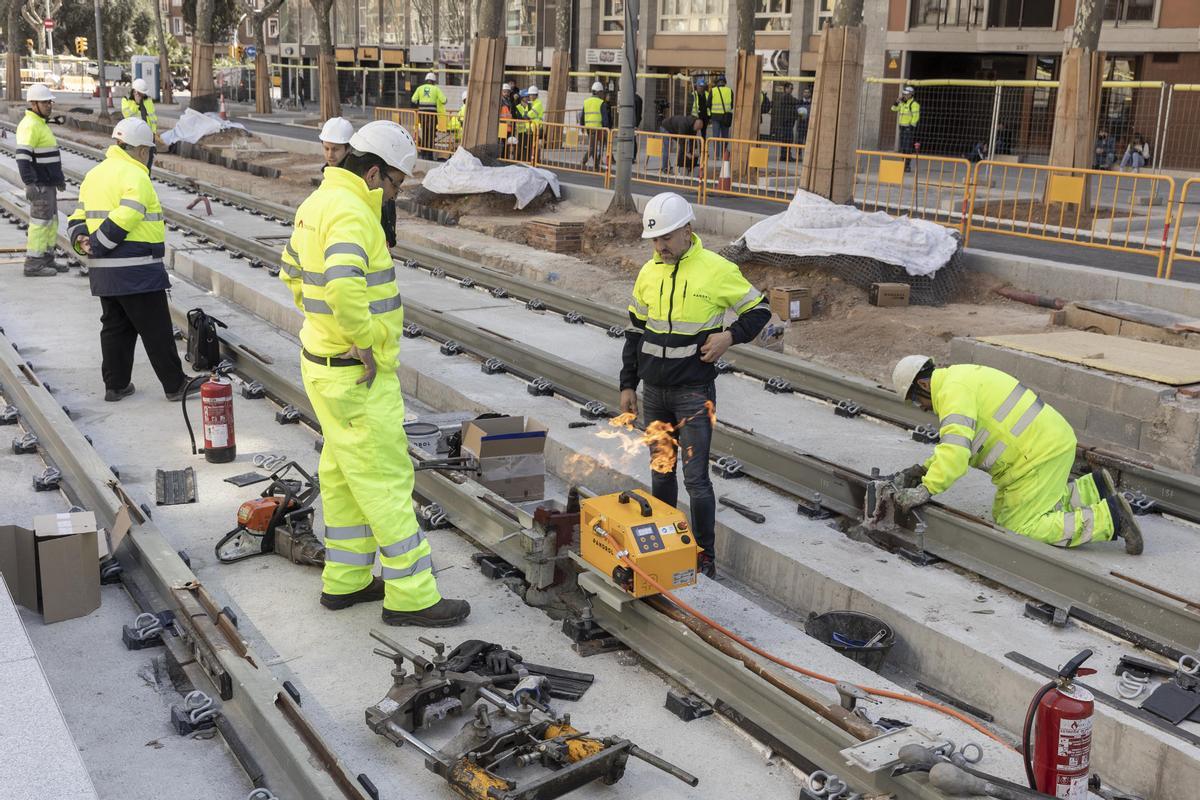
(593,116)
(535,113)
(678,306)
(989,421)
(145,110)
(430,97)
(341,274)
(522,113)
(720,100)
(120,213)
(908,113)
(699,109)
(457,119)
(38,159)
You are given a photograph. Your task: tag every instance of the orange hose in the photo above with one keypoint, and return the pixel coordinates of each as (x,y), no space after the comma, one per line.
(907,698)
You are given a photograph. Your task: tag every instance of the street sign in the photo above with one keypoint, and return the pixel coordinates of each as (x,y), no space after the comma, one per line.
(251,51)
(48,24)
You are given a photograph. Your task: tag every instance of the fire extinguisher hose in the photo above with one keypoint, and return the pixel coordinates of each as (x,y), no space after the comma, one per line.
(907,698)
(183,404)
(1027,730)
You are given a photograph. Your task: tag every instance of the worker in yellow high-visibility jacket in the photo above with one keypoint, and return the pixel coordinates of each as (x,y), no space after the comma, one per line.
(430,101)
(595,116)
(908,116)
(40,166)
(989,421)
(341,275)
(720,107)
(458,119)
(139,104)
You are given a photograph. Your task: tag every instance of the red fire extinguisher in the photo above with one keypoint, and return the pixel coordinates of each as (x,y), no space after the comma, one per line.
(216,418)
(1062,749)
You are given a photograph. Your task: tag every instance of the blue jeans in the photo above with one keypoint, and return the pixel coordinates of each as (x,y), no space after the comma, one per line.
(684,408)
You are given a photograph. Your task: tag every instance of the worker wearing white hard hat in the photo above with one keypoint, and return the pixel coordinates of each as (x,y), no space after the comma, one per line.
(458,119)
(335,139)
(119,228)
(138,103)
(676,336)
(430,101)
(40,166)
(988,420)
(341,275)
(536,112)
(595,116)
(908,117)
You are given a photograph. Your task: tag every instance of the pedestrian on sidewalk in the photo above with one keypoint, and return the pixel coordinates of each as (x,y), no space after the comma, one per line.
(118,227)
(40,166)
(1137,154)
(341,276)
(677,332)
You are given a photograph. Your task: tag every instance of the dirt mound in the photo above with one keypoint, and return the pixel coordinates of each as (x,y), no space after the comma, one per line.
(604,230)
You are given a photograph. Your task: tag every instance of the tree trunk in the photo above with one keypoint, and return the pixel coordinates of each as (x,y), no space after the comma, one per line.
(1089,15)
(622,199)
(562,25)
(437,36)
(745,25)
(1077,102)
(12,61)
(491,19)
(164,63)
(847,13)
(331,104)
(203,86)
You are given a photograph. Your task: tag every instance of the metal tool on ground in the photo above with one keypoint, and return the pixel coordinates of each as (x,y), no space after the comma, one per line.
(174,486)
(507,668)
(269,461)
(957,782)
(514,745)
(279,521)
(1062,713)
(636,526)
(745,511)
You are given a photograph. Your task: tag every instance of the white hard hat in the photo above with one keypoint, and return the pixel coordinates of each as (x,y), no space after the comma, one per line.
(388,140)
(134,132)
(336,130)
(906,372)
(429,76)
(139,85)
(533,89)
(908,90)
(39,92)
(664,213)
(464,97)
(597,87)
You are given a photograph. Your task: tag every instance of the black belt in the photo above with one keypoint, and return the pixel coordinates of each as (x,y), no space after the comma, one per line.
(332,361)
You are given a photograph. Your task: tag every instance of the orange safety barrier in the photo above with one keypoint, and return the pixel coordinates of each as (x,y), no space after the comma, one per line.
(1185,248)
(574,148)
(1128,212)
(925,187)
(761,169)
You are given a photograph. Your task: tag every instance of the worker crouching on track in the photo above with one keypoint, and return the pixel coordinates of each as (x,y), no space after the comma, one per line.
(676,336)
(119,227)
(341,275)
(989,421)
(40,165)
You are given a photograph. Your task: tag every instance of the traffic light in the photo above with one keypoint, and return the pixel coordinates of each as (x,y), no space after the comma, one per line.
(81,45)
(236,52)
(29,45)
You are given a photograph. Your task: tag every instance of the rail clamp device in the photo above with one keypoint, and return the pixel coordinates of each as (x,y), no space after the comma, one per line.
(651,534)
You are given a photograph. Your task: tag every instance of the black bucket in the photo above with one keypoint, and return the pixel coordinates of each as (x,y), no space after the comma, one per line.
(849,631)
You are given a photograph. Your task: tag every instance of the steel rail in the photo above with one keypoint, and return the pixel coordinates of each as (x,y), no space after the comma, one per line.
(1028,567)
(1174,492)
(209,650)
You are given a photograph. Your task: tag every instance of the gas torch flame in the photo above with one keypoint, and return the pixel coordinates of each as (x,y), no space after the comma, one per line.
(659,436)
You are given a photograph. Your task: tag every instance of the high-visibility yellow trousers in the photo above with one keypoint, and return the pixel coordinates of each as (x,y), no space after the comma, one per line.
(366,488)
(43,226)
(1048,506)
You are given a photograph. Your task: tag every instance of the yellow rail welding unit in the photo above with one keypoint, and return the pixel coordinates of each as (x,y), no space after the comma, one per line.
(651,534)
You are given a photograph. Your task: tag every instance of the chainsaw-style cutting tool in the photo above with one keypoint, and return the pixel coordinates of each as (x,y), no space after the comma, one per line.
(279,521)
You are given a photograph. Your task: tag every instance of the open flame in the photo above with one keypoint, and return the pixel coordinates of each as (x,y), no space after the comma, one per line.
(660,437)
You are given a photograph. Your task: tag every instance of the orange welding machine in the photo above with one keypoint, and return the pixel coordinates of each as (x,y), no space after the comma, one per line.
(637,526)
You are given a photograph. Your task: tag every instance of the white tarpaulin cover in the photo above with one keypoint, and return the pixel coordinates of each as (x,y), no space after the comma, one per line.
(463,173)
(814,226)
(194,126)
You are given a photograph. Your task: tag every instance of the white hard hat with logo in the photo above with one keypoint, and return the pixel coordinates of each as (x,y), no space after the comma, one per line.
(664,213)
(134,131)
(389,141)
(906,372)
(597,87)
(39,93)
(336,130)
(139,85)
(429,76)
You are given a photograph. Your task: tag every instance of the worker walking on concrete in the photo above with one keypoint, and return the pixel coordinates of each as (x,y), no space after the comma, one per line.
(119,228)
(341,275)
(991,422)
(720,107)
(430,99)
(595,116)
(676,335)
(335,140)
(40,165)
(908,116)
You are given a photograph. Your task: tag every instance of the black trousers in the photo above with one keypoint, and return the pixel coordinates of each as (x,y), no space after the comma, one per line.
(122,320)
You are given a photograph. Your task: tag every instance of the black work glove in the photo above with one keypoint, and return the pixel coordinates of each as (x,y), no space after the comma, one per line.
(501,662)
(908,478)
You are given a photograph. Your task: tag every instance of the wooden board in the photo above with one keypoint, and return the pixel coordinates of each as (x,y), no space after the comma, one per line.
(487,71)
(1136,312)
(1173,366)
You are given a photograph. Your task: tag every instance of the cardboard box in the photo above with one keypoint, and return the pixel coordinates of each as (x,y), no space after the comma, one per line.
(53,569)
(887,295)
(791,303)
(511,455)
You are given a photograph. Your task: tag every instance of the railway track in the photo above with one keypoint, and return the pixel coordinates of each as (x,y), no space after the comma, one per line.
(1047,576)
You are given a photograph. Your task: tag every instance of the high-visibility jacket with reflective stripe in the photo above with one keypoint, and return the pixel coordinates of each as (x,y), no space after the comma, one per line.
(700,103)
(341,274)
(593,112)
(720,100)
(430,97)
(908,112)
(536,112)
(145,110)
(120,213)
(988,420)
(676,306)
(38,159)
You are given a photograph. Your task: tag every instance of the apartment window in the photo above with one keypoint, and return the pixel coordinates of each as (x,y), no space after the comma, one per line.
(824,13)
(1119,11)
(613,16)
(273,28)
(947,13)
(1021,14)
(521,23)
(177,26)
(692,16)
(773,15)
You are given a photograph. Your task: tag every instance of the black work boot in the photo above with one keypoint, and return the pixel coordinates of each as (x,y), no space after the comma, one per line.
(1125,524)
(1106,485)
(190,385)
(442,614)
(40,271)
(706,565)
(113,395)
(372,592)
